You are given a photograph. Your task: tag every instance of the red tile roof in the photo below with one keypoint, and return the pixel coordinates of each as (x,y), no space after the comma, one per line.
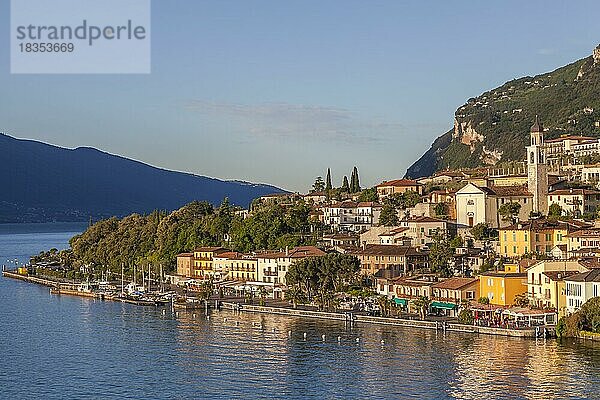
(563,192)
(455,283)
(386,250)
(399,183)
(563,138)
(211,249)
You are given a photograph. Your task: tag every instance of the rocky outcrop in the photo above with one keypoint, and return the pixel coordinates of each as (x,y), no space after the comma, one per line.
(494,127)
(466,134)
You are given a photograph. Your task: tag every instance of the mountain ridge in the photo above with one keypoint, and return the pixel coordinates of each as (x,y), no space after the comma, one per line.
(43,182)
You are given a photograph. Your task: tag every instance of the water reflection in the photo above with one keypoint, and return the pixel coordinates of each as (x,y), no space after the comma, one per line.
(230,354)
(55,347)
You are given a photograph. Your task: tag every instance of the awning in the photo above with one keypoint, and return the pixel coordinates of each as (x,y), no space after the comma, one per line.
(400,302)
(442,305)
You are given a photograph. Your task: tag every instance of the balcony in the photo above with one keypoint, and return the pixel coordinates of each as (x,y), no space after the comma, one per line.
(270,273)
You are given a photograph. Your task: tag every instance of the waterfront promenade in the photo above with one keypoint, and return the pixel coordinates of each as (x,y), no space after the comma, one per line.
(65,288)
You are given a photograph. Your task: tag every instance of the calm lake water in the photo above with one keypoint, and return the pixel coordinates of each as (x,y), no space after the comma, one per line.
(55,347)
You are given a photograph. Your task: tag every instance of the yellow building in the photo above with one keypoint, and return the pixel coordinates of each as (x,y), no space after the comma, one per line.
(546,285)
(388,188)
(203,261)
(185,263)
(501,288)
(536,236)
(236,266)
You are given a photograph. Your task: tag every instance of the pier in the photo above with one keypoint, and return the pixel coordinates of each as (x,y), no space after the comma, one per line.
(40,281)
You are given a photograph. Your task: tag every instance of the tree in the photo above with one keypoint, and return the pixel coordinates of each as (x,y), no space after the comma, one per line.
(555,211)
(368,195)
(440,254)
(521,300)
(262,293)
(388,215)
(319,278)
(483,300)
(482,231)
(354,181)
(587,319)
(422,304)
(466,317)
(345,185)
(384,305)
(319,185)
(328,186)
(509,211)
(410,198)
(441,210)
(295,296)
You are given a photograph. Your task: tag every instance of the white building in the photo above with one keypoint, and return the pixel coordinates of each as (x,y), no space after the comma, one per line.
(539,285)
(557,149)
(352,216)
(591,174)
(583,243)
(582,287)
(421,229)
(586,148)
(475,204)
(575,202)
(272,266)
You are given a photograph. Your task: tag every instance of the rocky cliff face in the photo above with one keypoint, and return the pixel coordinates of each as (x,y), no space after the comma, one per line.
(494,127)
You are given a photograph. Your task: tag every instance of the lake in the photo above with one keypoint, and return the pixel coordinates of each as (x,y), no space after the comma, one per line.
(56,347)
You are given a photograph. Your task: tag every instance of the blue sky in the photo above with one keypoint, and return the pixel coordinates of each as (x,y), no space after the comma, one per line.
(278,91)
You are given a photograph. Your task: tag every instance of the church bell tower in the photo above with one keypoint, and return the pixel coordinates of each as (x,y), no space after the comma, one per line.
(537,171)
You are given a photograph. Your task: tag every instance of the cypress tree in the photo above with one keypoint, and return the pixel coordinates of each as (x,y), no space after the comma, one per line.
(354,181)
(328,186)
(345,185)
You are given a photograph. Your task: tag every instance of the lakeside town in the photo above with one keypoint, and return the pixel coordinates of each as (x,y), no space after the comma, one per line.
(510,248)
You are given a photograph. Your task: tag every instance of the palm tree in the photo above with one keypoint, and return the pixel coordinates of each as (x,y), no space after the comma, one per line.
(384,305)
(422,304)
(262,293)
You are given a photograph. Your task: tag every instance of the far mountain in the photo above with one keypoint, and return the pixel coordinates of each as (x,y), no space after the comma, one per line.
(494,127)
(42,182)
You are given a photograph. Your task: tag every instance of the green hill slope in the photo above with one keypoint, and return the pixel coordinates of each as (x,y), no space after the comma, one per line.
(494,127)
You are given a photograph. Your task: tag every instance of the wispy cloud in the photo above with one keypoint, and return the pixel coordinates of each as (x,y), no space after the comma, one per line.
(285,121)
